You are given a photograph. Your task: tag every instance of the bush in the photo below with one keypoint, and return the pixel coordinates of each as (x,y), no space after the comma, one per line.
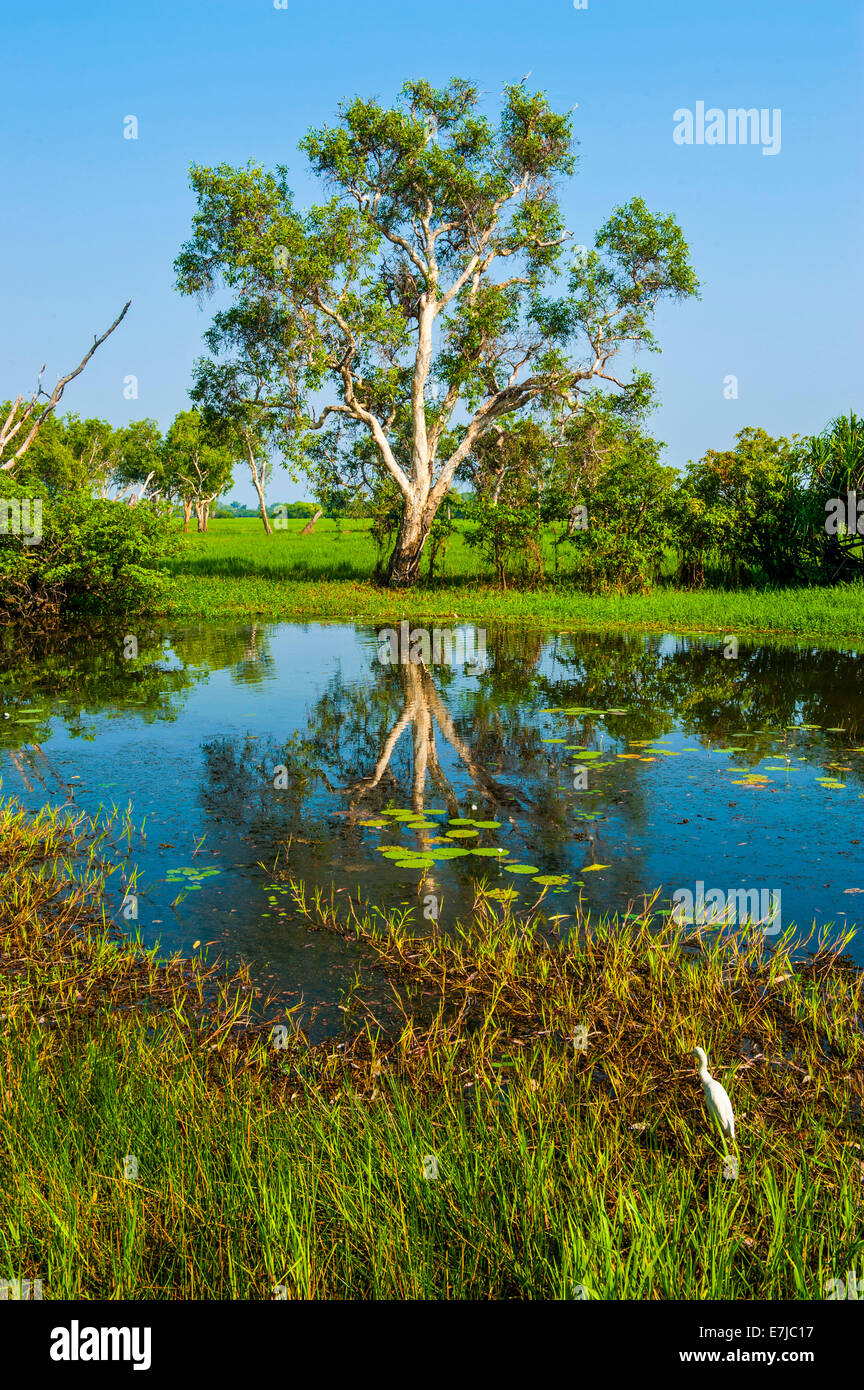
(630,523)
(92,556)
(747,509)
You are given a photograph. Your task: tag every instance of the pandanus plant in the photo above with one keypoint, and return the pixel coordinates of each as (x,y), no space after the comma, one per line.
(836,459)
(837,455)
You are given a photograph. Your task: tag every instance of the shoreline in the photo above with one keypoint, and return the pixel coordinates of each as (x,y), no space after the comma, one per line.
(532,1124)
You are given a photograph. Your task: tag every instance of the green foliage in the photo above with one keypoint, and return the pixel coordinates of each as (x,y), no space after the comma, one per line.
(139,456)
(630,524)
(196,465)
(835,464)
(602,489)
(512,471)
(836,456)
(94,556)
(747,510)
(70,453)
(420,303)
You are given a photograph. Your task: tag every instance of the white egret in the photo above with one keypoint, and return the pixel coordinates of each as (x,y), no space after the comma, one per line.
(719,1104)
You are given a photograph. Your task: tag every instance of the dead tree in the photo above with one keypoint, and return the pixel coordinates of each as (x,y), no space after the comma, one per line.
(15,422)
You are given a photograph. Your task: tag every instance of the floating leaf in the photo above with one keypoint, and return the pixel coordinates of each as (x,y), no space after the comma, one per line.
(462,834)
(488,853)
(521,868)
(552,879)
(593,868)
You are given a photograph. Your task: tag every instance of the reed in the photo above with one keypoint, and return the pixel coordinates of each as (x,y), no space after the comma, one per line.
(264,1162)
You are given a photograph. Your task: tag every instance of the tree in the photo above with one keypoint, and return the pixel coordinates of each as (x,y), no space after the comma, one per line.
(71,454)
(96,447)
(628,495)
(748,507)
(195,467)
(232,389)
(418,296)
(511,470)
(834,461)
(139,461)
(23,421)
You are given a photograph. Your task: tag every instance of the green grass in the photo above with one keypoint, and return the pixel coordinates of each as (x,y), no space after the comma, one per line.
(302,1166)
(237,571)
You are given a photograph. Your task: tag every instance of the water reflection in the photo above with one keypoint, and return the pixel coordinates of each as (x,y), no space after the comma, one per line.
(276,744)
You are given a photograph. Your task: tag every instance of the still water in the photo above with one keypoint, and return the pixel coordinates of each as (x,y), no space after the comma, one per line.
(613,766)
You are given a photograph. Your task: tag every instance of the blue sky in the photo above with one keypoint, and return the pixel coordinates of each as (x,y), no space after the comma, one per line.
(90,219)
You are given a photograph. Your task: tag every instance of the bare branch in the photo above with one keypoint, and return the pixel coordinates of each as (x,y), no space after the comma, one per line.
(9,429)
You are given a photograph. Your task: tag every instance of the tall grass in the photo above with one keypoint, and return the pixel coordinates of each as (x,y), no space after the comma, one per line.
(560,1167)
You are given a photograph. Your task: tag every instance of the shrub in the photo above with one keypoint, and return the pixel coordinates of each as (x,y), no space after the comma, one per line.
(92,556)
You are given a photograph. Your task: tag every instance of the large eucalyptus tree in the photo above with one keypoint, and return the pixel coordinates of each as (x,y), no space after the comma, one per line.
(429,297)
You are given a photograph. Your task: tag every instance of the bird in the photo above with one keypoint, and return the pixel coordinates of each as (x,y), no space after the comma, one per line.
(719,1104)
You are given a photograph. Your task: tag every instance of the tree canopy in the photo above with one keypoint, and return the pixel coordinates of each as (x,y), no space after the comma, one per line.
(432,295)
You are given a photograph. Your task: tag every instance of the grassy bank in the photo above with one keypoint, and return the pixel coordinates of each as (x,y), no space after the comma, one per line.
(560,1166)
(231,573)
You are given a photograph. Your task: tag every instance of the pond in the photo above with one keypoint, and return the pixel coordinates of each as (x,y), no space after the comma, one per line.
(575,766)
